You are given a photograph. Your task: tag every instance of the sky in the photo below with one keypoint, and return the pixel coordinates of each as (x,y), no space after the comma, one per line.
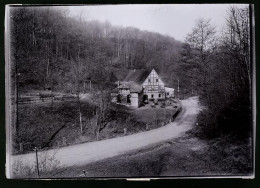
(172,20)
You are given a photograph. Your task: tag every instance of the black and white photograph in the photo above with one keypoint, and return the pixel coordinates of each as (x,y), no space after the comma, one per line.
(130,91)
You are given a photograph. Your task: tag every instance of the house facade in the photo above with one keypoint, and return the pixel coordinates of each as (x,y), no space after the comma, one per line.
(140,86)
(153,86)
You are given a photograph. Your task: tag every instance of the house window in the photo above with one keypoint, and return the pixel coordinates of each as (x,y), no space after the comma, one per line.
(156,79)
(159,95)
(152,95)
(149,80)
(167,93)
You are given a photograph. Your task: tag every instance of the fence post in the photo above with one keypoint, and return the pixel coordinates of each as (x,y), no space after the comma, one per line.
(147,127)
(63,141)
(97,136)
(125,131)
(58,144)
(21,147)
(37,164)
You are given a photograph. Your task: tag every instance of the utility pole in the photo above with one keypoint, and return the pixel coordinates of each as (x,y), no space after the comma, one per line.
(178,89)
(90,85)
(78,90)
(84,87)
(192,87)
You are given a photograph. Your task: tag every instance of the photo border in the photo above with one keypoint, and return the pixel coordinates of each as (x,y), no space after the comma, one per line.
(223,182)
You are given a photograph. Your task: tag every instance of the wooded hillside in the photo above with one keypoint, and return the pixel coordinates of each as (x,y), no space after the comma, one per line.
(52,50)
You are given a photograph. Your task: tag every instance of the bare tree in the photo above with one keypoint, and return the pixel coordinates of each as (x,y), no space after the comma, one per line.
(202,40)
(101,95)
(237,39)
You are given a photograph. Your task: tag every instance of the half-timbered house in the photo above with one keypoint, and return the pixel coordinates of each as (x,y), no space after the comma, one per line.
(140,86)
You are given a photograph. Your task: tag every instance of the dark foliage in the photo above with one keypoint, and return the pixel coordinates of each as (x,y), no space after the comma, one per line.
(219,71)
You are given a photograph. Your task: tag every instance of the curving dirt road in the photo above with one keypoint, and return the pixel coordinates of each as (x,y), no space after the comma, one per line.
(93,151)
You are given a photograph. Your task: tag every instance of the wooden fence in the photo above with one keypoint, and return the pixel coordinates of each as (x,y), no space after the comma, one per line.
(25,147)
(38,99)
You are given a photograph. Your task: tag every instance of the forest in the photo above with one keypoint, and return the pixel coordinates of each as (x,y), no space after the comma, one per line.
(50,49)
(54,50)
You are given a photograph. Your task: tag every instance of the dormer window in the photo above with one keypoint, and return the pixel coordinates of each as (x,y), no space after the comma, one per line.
(156,79)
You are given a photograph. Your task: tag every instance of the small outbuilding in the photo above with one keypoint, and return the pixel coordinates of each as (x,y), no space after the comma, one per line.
(128,93)
(169,92)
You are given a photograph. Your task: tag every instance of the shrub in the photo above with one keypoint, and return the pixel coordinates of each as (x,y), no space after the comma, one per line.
(232,119)
(48,165)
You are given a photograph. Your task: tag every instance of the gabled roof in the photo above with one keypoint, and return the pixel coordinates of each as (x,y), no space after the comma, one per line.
(134,88)
(137,76)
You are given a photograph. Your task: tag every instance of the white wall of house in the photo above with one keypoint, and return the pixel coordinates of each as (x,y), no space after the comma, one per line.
(156,95)
(134,99)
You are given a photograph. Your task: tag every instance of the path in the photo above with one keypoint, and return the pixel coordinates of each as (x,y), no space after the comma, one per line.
(93,151)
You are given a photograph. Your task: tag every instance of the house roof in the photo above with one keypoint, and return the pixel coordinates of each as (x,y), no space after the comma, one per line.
(123,86)
(134,88)
(135,79)
(137,76)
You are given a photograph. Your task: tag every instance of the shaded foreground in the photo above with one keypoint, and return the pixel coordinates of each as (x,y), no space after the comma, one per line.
(185,156)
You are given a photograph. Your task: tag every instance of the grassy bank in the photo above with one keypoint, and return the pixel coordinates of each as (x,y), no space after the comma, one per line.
(186,156)
(42,124)
(51,125)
